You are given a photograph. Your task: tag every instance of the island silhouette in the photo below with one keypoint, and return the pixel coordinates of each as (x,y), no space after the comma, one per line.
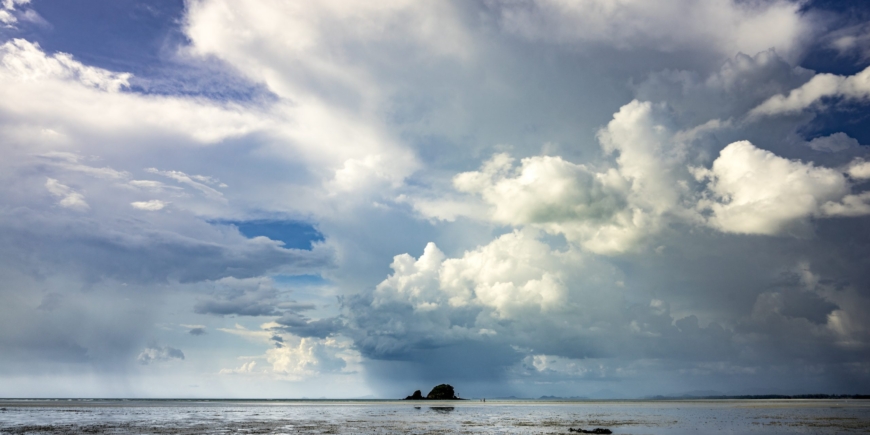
(440,392)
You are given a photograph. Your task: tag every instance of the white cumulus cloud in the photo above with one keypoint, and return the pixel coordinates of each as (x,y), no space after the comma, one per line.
(152,205)
(606,210)
(310,357)
(245,368)
(154,353)
(94,100)
(859,169)
(513,277)
(7,7)
(757,192)
(26,61)
(726,26)
(302,53)
(854,87)
(69,198)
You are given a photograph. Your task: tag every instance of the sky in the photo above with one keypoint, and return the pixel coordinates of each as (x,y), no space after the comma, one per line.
(293,199)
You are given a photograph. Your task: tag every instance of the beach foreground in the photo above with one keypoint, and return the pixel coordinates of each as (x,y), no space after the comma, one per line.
(425,417)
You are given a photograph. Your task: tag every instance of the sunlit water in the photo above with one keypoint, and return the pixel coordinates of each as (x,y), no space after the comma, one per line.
(509,417)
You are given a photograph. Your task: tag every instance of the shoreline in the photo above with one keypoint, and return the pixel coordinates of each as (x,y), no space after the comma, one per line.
(88,402)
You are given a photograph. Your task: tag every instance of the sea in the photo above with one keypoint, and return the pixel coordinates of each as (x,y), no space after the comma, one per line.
(112,416)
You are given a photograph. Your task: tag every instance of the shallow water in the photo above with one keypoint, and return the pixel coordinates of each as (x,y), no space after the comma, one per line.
(376,417)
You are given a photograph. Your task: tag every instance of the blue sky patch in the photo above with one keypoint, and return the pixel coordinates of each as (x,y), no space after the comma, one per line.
(138,37)
(294,234)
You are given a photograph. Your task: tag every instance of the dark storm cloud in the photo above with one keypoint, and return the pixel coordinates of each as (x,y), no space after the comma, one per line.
(302,326)
(93,278)
(238,306)
(47,321)
(742,82)
(761,311)
(267,302)
(133,251)
(396,332)
(54,348)
(798,303)
(51,302)
(392,331)
(713,305)
(197,331)
(244,298)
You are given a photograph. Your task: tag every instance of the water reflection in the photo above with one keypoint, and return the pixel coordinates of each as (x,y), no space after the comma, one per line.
(442,409)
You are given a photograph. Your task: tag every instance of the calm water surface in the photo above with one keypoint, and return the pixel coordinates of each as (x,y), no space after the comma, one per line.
(377,417)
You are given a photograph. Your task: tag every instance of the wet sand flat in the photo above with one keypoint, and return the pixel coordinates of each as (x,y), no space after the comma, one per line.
(425,417)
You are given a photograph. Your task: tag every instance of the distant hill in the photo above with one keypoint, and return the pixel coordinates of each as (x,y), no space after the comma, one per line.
(694,396)
(563,398)
(764,396)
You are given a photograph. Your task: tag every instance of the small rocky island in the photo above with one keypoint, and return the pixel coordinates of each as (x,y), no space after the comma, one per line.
(440,392)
